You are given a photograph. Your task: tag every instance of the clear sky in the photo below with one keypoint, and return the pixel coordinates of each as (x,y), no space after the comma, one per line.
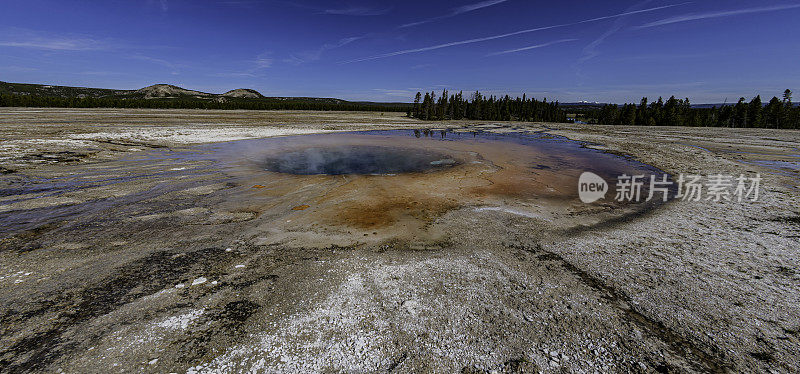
(569,50)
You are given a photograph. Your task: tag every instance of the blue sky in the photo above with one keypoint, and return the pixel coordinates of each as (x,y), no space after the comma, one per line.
(608,51)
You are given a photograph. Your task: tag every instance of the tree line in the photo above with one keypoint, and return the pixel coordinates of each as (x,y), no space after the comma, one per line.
(778,114)
(10,100)
(479,107)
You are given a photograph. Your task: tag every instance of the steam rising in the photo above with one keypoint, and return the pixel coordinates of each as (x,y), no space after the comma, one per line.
(364,160)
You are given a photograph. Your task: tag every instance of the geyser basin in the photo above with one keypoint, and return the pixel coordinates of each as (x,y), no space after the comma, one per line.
(358,160)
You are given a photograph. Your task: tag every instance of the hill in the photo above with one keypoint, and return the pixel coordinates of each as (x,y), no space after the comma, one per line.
(171,96)
(56,91)
(244,93)
(169,91)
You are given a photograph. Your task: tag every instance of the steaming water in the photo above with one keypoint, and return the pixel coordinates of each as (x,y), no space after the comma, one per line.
(371,160)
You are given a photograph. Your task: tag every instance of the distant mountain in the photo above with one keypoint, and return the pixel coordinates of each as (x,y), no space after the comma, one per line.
(149,92)
(57,91)
(171,96)
(156,91)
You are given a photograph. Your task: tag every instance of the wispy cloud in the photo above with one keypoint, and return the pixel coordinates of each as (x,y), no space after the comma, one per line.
(233,75)
(728,13)
(263,61)
(17,69)
(239,3)
(592,50)
(357,11)
(253,68)
(532,47)
(404,93)
(54,41)
(422,66)
(347,9)
(24,38)
(456,11)
(500,36)
(154,60)
(476,6)
(451,44)
(316,54)
(162,5)
(631,12)
(157,61)
(56,44)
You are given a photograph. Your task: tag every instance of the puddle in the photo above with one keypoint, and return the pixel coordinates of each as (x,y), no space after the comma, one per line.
(778,165)
(784,168)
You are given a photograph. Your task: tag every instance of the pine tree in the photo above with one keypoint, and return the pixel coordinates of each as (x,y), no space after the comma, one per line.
(656,109)
(642,113)
(755,111)
(628,115)
(774,113)
(416,104)
(740,111)
(426,107)
(442,109)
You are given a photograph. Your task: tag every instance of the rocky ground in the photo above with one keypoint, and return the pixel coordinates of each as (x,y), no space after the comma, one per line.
(113,259)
